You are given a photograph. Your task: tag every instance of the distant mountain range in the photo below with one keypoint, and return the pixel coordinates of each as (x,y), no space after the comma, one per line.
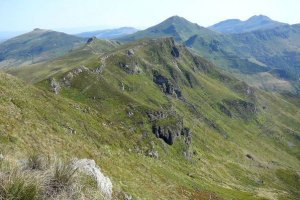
(109,33)
(257,22)
(270,50)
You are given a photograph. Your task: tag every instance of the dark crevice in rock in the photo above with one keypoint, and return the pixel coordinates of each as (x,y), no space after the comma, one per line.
(175,52)
(169,126)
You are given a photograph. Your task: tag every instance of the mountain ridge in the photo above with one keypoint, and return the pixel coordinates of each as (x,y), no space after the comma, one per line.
(256,22)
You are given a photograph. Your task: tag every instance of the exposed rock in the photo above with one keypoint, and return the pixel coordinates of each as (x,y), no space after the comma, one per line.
(99,70)
(168,126)
(166,85)
(130,52)
(127,196)
(80,69)
(90,40)
(130,114)
(89,167)
(152,153)
(259,181)
(249,156)
(67,80)
(70,129)
(191,175)
(55,86)
(186,132)
(155,115)
(130,69)
(175,52)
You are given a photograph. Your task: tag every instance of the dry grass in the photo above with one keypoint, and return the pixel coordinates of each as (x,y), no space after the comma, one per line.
(41,178)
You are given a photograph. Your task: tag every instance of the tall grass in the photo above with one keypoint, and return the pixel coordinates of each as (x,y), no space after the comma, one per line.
(41,178)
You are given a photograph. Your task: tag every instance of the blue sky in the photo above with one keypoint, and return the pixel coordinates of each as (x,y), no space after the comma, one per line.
(24,15)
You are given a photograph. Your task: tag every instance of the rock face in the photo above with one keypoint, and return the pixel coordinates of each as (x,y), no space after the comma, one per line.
(90,40)
(175,52)
(55,86)
(130,69)
(166,85)
(169,126)
(89,167)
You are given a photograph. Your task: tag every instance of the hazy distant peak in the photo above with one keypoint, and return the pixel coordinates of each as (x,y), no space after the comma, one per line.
(259,18)
(256,22)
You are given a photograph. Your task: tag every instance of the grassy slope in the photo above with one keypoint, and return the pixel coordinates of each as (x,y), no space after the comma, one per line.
(97,108)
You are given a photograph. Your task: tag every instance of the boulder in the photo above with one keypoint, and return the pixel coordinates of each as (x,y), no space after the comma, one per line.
(130,52)
(89,167)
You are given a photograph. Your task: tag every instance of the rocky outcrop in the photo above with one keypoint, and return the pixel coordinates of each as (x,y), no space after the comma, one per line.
(67,80)
(89,167)
(55,86)
(166,85)
(130,52)
(90,40)
(169,127)
(175,52)
(130,69)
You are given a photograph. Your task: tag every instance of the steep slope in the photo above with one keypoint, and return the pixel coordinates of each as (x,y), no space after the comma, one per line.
(254,23)
(109,33)
(36,46)
(177,27)
(164,123)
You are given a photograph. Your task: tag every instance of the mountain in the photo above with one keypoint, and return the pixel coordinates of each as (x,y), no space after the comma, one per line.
(250,56)
(257,22)
(35,46)
(177,27)
(110,33)
(160,121)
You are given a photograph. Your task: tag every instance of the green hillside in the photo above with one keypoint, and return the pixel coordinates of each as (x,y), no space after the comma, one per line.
(36,46)
(160,121)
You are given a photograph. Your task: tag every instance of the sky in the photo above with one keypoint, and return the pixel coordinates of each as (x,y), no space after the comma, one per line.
(83,15)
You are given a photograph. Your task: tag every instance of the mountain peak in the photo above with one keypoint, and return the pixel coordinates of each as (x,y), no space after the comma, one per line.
(260,18)
(176,18)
